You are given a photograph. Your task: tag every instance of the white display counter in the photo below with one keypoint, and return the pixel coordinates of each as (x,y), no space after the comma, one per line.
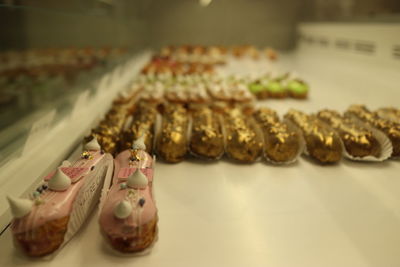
(304,214)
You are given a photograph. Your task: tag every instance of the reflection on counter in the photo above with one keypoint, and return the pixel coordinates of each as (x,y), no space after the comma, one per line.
(33,78)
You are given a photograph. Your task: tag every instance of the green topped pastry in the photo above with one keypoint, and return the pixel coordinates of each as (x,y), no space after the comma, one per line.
(258,89)
(275,89)
(255,87)
(297,89)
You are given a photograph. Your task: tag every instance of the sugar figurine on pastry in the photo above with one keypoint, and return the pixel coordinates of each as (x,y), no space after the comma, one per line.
(281,143)
(108,132)
(128,217)
(142,125)
(61,204)
(322,142)
(390,128)
(358,140)
(109,129)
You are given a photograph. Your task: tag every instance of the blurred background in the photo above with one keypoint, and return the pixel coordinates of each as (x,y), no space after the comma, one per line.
(154,23)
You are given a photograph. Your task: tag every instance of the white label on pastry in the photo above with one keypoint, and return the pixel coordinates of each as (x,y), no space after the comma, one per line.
(88,195)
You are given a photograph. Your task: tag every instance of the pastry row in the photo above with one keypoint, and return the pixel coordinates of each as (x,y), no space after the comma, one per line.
(279,86)
(193,89)
(35,63)
(30,78)
(246,134)
(162,65)
(202,88)
(215,54)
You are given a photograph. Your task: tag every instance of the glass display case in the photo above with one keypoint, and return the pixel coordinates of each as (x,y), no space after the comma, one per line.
(68,69)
